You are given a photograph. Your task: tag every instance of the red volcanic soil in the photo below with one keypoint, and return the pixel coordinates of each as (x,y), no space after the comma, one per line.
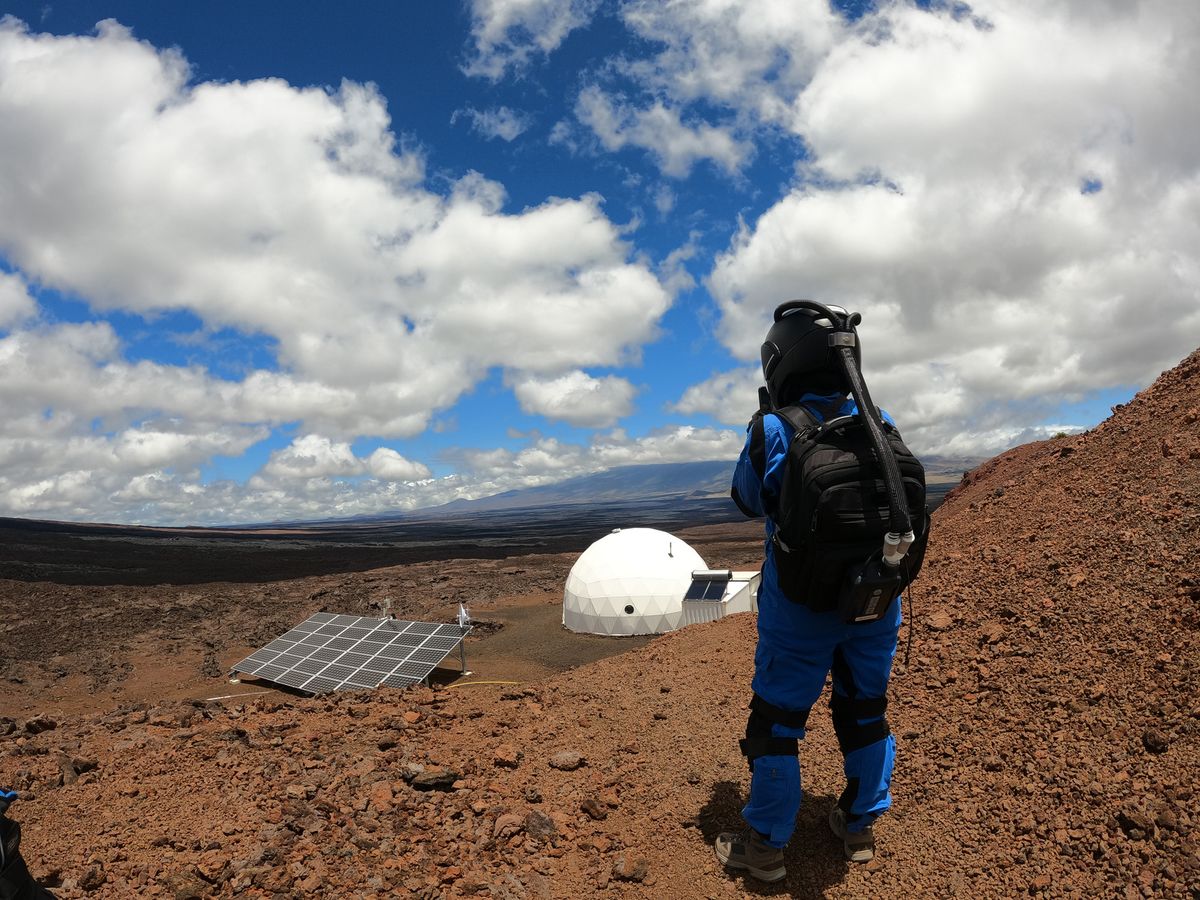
(1048,722)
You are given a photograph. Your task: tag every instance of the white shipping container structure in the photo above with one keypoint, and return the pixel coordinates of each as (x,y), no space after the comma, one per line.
(719,592)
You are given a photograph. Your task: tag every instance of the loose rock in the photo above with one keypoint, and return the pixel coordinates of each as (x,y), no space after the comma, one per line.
(38,724)
(507,825)
(435,780)
(630,868)
(567,760)
(507,757)
(540,825)
(1135,822)
(1155,741)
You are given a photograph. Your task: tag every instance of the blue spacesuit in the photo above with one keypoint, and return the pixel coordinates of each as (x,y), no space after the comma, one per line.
(797,648)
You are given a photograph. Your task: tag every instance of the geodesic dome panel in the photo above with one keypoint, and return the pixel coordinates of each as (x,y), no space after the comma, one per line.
(631,581)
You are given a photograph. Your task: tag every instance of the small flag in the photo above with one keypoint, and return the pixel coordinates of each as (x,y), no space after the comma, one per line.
(463,618)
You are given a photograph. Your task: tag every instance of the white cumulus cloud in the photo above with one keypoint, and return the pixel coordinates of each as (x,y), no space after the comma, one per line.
(659,129)
(388,465)
(287,215)
(319,478)
(313,456)
(576,398)
(510,34)
(16,305)
(499,122)
(296,217)
(1009,197)
(748,56)
(730,397)
(547,460)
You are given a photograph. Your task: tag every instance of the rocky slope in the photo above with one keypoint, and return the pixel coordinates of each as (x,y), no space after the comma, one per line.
(1048,725)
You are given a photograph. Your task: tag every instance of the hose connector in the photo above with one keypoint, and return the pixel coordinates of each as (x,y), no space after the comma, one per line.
(895,546)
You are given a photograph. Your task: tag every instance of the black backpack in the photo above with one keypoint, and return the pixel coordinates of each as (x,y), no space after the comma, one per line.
(833,509)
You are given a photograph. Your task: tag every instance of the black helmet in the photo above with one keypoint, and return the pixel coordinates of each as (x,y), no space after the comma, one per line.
(797,357)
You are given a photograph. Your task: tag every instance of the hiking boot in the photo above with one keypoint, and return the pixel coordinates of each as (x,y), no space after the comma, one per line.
(858,845)
(749,851)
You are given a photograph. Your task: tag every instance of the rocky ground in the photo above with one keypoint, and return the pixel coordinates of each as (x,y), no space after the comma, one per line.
(1048,721)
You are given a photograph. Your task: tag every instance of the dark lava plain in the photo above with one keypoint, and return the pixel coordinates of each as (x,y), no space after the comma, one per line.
(99,554)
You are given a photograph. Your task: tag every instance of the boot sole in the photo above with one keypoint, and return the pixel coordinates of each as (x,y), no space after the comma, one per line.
(857,854)
(767,875)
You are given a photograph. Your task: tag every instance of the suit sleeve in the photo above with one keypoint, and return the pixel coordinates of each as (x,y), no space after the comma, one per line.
(747,483)
(758,475)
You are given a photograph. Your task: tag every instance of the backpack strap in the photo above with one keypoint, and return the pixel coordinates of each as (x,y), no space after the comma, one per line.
(802,420)
(799,418)
(758,446)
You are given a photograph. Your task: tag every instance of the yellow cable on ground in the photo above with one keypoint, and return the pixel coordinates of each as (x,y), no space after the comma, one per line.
(470,683)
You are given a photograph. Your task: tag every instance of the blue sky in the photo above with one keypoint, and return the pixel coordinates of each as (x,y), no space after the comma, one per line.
(281,261)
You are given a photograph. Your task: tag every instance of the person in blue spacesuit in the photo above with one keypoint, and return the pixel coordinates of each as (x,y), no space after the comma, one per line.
(797,647)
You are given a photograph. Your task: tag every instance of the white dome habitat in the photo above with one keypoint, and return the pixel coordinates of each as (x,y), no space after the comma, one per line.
(631,581)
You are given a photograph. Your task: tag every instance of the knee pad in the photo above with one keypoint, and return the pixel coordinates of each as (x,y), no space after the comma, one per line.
(760,739)
(858,721)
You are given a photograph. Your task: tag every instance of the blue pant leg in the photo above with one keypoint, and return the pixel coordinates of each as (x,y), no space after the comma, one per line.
(794,653)
(775,793)
(861,671)
(869,782)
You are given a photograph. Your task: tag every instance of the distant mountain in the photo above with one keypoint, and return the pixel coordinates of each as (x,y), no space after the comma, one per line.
(951,465)
(628,483)
(656,481)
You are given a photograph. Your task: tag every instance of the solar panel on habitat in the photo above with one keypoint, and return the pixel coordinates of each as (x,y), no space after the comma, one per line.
(708,584)
(329,652)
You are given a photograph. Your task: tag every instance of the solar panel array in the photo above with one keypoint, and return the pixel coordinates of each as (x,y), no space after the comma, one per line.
(707,588)
(329,652)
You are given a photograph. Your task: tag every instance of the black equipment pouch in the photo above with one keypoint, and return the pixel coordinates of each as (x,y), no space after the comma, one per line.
(869,590)
(871,587)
